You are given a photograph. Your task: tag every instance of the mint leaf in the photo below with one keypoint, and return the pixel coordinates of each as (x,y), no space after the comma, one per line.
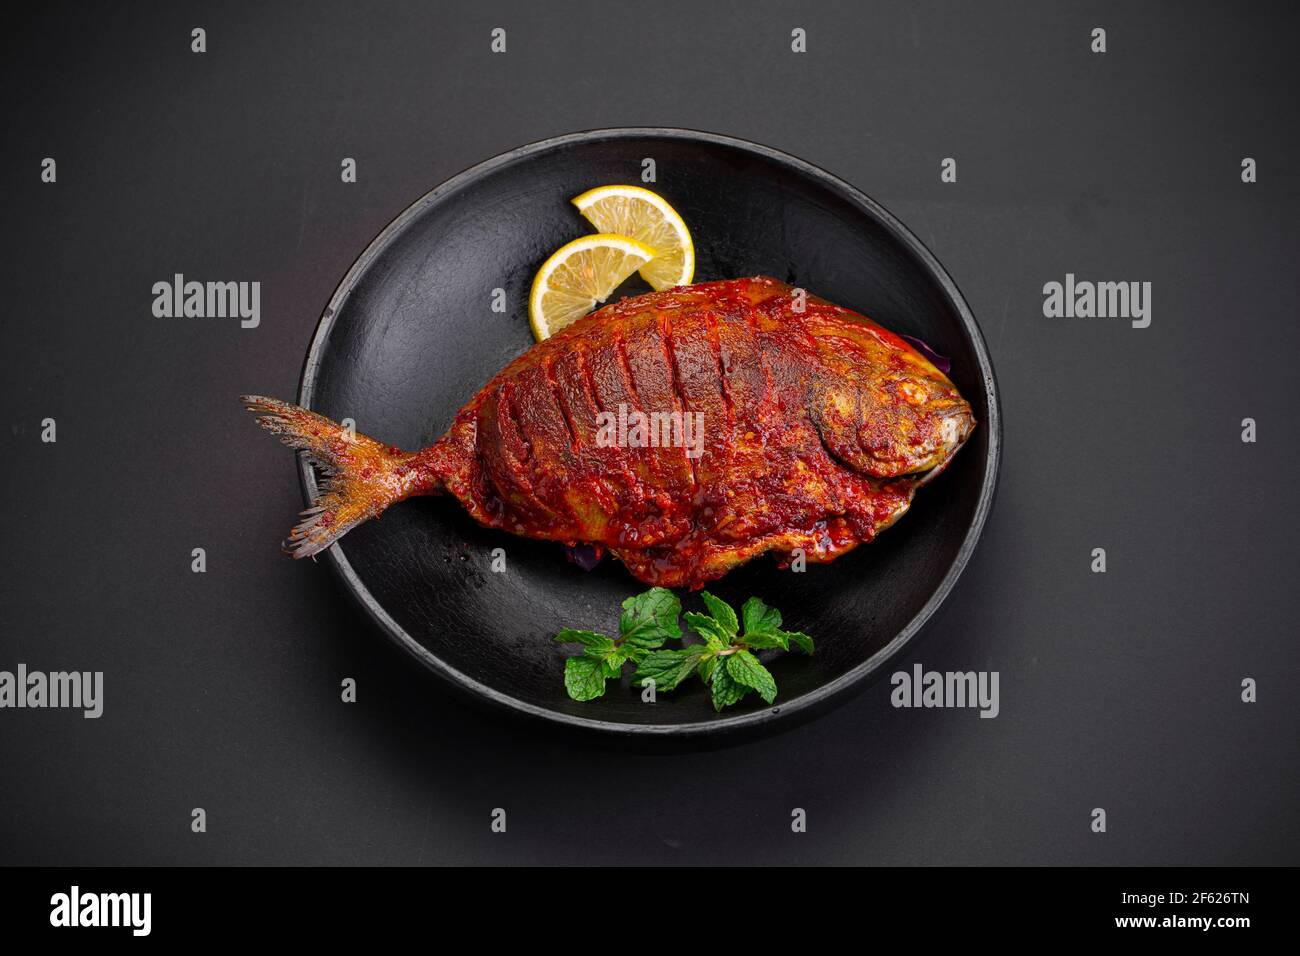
(715,636)
(726,689)
(667,668)
(759,618)
(590,641)
(804,642)
(757,640)
(746,669)
(763,628)
(722,613)
(707,664)
(601,659)
(614,663)
(584,677)
(649,619)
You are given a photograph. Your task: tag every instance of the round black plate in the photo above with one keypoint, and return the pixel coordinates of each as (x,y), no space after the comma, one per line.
(410,336)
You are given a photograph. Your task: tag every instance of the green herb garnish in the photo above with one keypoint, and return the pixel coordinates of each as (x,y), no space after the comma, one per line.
(725,661)
(647,621)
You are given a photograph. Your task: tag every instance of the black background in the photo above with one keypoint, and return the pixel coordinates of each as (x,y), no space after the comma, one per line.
(1119,690)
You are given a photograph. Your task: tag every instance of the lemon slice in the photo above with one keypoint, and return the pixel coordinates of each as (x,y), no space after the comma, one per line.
(639,213)
(578,275)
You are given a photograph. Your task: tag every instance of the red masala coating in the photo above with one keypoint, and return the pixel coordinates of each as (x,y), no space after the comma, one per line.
(817,427)
(812,429)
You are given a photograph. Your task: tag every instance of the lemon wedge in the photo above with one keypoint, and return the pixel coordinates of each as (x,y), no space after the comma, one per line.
(644,216)
(578,275)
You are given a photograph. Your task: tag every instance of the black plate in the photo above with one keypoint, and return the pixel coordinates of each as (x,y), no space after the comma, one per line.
(410,335)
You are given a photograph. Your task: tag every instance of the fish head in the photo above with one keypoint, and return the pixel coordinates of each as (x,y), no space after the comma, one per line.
(893,416)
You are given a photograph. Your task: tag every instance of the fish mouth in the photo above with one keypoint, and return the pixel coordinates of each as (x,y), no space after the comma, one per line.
(955,429)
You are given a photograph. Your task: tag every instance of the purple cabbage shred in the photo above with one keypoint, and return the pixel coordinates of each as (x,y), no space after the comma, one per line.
(583,555)
(941,362)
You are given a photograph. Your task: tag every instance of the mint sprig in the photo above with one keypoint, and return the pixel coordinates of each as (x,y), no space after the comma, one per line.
(727,663)
(647,621)
(725,660)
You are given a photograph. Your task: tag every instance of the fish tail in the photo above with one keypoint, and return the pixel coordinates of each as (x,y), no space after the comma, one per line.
(362,477)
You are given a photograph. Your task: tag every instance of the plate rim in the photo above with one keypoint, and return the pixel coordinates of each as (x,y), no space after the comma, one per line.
(857,678)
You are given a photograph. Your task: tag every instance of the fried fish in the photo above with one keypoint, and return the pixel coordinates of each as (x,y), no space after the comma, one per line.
(685,431)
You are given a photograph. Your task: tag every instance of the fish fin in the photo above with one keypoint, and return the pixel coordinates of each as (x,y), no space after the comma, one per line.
(362,477)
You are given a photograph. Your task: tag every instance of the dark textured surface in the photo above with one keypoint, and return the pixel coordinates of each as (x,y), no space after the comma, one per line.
(222,690)
(408,339)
